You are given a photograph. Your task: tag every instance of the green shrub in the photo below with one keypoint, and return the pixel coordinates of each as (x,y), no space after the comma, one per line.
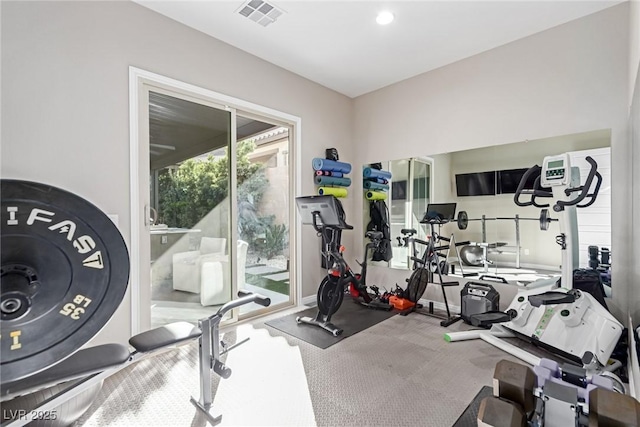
(190,191)
(275,238)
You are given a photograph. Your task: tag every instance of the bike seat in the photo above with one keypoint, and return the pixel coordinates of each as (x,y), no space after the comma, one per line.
(409,231)
(374,235)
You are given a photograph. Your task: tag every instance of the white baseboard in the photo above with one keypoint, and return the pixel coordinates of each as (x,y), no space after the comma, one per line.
(311,300)
(440,305)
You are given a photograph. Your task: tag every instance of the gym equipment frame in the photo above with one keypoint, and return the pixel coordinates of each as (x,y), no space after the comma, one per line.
(462,221)
(423,274)
(564,320)
(555,395)
(322,212)
(210,352)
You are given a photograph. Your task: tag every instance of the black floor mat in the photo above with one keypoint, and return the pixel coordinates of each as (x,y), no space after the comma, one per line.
(351,317)
(469,417)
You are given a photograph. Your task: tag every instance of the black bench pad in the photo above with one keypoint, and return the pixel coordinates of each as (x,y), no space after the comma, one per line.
(173,333)
(81,364)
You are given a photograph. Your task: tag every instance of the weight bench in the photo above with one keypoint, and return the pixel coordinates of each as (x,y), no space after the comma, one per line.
(87,369)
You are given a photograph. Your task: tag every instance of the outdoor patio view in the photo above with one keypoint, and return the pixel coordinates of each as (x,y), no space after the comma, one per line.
(193,195)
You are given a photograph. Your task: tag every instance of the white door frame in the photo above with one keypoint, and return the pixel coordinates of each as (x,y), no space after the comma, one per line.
(139,80)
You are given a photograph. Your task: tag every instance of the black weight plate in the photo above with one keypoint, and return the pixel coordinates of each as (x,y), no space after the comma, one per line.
(544,219)
(463,220)
(65,270)
(328,289)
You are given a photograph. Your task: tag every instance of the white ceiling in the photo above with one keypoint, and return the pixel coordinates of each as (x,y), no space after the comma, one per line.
(339,45)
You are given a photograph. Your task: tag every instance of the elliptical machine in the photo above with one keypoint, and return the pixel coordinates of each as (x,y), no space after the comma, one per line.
(566,321)
(326,216)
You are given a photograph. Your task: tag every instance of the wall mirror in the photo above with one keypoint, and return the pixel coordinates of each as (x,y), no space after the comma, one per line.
(482,182)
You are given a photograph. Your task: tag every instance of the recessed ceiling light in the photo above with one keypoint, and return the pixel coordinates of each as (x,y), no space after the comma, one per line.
(385,17)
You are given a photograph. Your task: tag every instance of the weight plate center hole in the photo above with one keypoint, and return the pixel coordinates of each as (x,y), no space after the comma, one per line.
(14,305)
(10,305)
(19,278)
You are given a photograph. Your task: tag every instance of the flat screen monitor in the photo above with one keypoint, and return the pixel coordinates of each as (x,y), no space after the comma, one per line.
(326,206)
(444,211)
(399,190)
(508,180)
(476,184)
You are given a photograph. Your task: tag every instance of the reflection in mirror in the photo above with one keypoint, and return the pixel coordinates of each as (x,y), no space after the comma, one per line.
(410,189)
(510,242)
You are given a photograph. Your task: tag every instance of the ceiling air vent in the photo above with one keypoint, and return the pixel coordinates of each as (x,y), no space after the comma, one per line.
(260,11)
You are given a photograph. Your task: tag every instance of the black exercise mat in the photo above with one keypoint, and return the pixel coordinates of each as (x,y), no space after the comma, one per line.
(351,317)
(469,417)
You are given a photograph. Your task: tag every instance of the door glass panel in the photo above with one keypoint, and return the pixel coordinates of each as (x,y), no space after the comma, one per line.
(421,172)
(263,198)
(190,208)
(399,210)
(410,195)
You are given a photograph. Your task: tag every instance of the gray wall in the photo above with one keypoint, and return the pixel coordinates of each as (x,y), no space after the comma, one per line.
(565,80)
(634,128)
(65,106)
(634,46)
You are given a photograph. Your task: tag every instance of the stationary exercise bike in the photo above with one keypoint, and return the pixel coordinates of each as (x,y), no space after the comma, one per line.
(567,321)
(326,216)
(430,263)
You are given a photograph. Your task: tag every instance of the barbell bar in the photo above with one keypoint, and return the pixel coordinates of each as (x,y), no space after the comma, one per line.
(544,219)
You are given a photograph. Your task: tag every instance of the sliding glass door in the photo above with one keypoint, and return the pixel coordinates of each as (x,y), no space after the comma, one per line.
(210,202)
(263,206)
(190,210)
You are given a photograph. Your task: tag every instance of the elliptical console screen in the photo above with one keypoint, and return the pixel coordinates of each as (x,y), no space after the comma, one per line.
(556,170)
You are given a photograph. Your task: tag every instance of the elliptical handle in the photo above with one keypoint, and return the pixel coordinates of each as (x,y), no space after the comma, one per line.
(539,193)
(592,196)
(584,189)
(533,193)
